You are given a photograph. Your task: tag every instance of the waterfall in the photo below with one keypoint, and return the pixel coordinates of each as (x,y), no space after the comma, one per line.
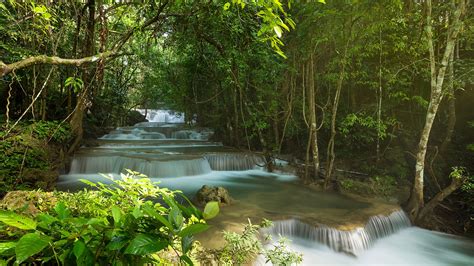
(185,134)
(233,161)
(151,168)
(134,134)
(162,116)
(351,242)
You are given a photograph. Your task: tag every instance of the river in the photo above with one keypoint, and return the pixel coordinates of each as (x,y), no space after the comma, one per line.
(328,228)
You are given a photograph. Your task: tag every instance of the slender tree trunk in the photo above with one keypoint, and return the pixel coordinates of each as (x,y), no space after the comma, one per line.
(313,121)
(379,101)
(451,107)
(438,198)
(331,156)
(83,100)
(102,47)
(416,201)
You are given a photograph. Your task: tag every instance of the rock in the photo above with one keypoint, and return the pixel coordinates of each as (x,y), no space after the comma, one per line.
(209,193)
(28,202)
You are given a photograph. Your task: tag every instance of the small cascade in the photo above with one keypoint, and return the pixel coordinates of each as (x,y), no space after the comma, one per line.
(184,134)
(351,242)
(151,168)
(162,116)
(233,161)
(134,134)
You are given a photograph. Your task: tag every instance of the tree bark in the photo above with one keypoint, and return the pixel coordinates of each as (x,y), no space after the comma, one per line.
(437,199)
(416,201)
(6,69)
(331,156)
(313,121)
(451,108)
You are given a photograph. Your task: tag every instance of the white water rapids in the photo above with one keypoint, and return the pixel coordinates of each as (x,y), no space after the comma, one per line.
(183,158)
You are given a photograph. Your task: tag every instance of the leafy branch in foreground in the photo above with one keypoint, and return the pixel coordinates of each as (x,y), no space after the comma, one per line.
(130,222)
(245,247)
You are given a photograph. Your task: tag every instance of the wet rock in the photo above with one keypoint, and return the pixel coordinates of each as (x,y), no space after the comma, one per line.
(209,193)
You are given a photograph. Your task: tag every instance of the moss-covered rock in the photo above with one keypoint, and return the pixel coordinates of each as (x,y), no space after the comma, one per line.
(28,202)
(208,193)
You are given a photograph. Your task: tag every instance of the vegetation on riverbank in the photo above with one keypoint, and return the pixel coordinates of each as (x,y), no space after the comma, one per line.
(130,222)
(383,87)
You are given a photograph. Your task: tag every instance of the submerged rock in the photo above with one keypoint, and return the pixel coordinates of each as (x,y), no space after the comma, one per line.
(208,193)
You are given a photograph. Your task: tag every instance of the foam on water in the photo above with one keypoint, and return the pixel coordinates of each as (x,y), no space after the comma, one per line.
(180,159)
(147,166)
(162,116)
(410,246)
(233,161)
(351,242)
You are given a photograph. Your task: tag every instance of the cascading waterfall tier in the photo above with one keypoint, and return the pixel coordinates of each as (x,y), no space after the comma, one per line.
(351,242)
(162,116)
(135,134)
(233,161)
(151,168)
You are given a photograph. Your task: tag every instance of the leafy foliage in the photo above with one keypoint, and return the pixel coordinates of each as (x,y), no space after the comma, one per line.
(25,151)
(242,248)
(130,222)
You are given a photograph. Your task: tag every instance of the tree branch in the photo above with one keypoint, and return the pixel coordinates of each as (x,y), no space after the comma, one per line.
(52,60)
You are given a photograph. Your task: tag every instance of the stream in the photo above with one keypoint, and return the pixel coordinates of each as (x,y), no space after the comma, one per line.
(328,228)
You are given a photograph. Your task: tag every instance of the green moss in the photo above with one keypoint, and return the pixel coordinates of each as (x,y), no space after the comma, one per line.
(27,156)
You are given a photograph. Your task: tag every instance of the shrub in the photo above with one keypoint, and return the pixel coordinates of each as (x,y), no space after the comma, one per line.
(131,222)
(26,156)
(242,248)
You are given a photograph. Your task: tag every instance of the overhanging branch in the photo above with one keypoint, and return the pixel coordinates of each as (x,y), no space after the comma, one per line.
(5,69)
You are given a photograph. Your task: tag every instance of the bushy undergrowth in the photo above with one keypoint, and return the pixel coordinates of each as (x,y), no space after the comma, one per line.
(27,159)
(132,221)
(127,223)
(379,185)
(241,248)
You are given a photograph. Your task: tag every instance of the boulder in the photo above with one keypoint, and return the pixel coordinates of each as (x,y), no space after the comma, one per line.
(28,202)
(208,193)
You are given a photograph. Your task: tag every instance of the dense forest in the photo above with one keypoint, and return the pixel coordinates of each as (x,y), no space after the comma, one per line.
(370,97)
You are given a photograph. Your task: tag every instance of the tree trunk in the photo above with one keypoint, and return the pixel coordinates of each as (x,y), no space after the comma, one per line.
(331,156)
(416,201)
(102,47)
(83,100)
(313,121)
(451,108)
(437,199)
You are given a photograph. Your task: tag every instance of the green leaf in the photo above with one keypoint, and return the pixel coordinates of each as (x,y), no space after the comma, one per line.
(193,229)
(137,213)
(186,259)
(144,244)
(83,255)
(117,243)
(29,245)
(79,248)
(211,210)
(176,218)
(186,243)
(278,31)
(117,214)
(62,211)
(5,246)
(153,213)
(45,220)
(87,182)
(226,6)
(18,221)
